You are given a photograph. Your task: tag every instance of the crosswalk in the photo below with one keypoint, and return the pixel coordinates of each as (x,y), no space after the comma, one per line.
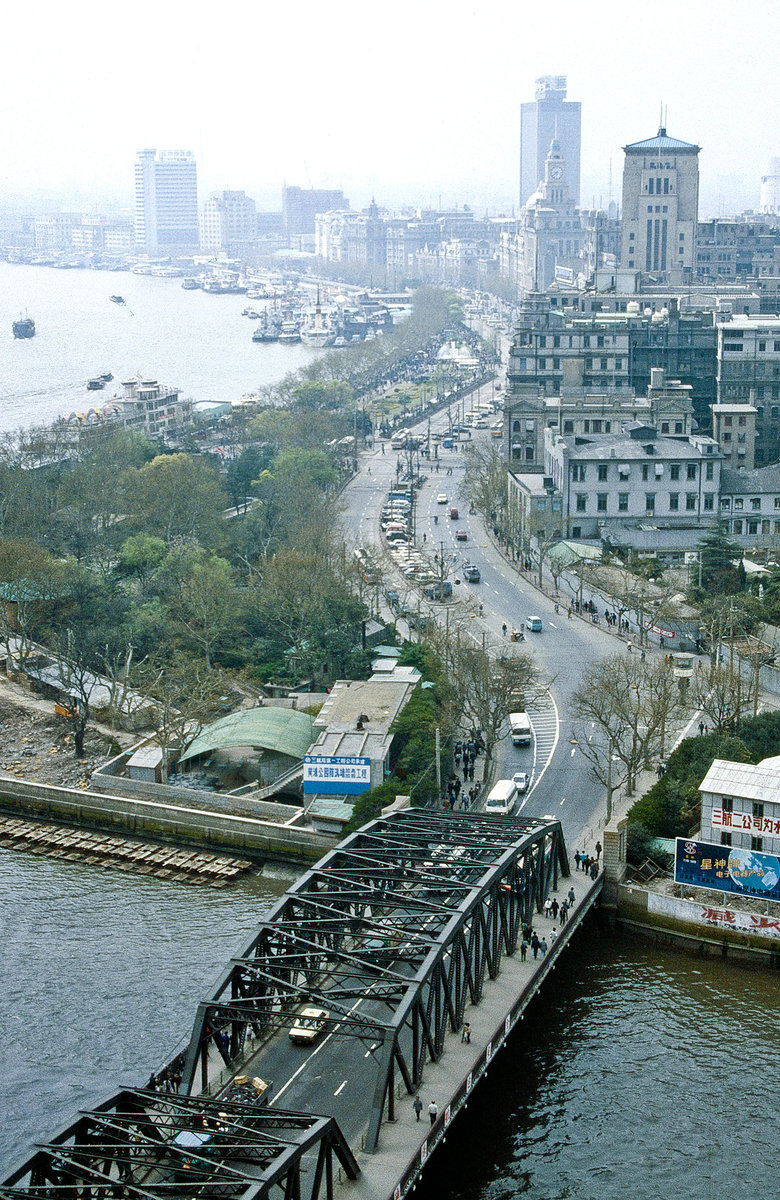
(543,713)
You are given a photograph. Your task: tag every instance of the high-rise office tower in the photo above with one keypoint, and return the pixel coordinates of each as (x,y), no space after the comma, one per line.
(166,201)
(770,188)
(550,116)
(660,207)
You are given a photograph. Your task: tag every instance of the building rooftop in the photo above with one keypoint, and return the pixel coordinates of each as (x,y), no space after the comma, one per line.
(662,143)
(747,781)
(283,730)
(763,479)
(627,449)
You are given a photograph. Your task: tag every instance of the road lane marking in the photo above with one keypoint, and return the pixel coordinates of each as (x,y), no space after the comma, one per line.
(573,751)
(340,1088)
(563,801)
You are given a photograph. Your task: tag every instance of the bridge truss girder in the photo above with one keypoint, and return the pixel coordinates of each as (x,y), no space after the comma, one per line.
(127,1147)
(415,912)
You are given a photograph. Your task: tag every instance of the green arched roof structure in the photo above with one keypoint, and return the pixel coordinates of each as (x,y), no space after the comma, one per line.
(283,730)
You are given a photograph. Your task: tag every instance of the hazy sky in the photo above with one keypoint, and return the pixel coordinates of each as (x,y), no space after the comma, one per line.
(405,100)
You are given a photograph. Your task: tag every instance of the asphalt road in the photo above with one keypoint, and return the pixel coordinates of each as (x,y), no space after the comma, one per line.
(561,787)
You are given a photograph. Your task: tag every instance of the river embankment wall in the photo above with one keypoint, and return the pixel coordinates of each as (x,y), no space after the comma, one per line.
(179,824)
(705,927)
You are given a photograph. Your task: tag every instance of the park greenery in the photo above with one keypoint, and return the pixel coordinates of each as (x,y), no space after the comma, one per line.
(157,566)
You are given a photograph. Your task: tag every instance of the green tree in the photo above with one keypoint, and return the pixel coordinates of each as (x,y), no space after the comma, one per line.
(141,555)
(176,496)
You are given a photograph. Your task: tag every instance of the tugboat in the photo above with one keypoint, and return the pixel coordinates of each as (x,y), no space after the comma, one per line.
(24,327)
(117,299)
(95,385)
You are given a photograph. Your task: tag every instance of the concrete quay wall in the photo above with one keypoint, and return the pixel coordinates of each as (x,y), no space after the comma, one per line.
(405,1146)
(178,824)
(703,927)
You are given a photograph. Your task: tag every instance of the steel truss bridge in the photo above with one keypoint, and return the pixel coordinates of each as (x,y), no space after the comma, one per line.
(392,933)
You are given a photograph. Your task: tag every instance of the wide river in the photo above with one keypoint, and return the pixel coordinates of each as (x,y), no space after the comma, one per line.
(197,342)
(642,1074)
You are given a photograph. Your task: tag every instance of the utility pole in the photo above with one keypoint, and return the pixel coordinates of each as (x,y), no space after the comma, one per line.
(438,762)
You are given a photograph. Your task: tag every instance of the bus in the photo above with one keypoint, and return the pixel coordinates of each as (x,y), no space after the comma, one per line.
(399,439)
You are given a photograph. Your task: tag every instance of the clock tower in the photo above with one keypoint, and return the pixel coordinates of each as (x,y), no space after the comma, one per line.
(553,236)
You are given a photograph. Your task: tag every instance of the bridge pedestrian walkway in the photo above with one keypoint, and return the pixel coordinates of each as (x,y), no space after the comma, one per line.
(406,1144)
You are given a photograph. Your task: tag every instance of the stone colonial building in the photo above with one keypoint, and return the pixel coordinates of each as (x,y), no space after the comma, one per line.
(661,207)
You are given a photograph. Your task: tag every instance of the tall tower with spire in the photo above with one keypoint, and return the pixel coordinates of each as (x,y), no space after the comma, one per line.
(660,208)
(553,236)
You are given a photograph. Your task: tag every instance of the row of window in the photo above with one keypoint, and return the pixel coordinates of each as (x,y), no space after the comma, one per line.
(737,347)
(602,499)
(756,843)
(755,503)
(751,527)
(579,471)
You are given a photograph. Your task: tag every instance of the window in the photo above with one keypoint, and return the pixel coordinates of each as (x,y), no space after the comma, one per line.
(691,471)
(728,804)
(725,838)
(678,427)
(576,531)
(758,809)
(578,472)
(709,501)
(756,843)
(777,501)
(727,420)
(582,501)
(738,503)
(664,427)
(603,468)
(568,427)
(725,502)
(645,472)
(690,502)
(650,502)
(710,471)
(674,471)
(738,527)
(622,501)
(597,429)
(601,501)
(755,503)
(674,502)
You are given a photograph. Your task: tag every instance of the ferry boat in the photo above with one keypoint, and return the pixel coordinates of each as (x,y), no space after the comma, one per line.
(289,332)
(24,327)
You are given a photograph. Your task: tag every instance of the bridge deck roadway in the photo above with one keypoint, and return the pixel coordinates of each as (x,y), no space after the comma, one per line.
(405,1145)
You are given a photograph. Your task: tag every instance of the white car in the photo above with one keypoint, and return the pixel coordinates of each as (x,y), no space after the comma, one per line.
(520,780)
(308,1024)
(441,498)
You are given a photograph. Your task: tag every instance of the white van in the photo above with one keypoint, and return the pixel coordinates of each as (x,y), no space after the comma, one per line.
(520,728)
(502,798)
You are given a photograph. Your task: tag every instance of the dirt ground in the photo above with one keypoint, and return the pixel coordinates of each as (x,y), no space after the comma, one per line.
(37,745)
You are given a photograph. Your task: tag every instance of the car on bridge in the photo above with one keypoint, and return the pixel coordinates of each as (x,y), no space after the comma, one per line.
(308,1025)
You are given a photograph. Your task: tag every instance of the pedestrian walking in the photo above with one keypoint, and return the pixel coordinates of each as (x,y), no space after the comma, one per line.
(417,1105)
(594,869)
(629,647)
(553,935)
(572,897)
(433,1111)
(577,860)
(547,906)
(564,913)
(535,943)
(466,1033)
(598,851)
(543,946)
(701,729)
(523,949)
(503,629)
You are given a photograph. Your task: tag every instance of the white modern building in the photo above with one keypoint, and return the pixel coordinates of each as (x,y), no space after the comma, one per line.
(770,188)
(740,805)
(749,373)
(228,224)
(166,202)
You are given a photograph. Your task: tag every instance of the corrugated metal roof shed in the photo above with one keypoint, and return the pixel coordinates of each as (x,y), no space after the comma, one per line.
(284,730)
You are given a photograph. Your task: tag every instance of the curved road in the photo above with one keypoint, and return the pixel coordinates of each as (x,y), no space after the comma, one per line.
(563,786)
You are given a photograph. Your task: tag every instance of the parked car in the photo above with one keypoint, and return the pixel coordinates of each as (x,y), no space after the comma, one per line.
(308,1024)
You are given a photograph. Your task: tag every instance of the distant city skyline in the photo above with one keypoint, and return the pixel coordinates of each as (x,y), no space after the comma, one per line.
(404,119)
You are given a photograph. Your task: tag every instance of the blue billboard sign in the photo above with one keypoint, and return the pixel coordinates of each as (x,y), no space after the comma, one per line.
(336,775)
(727,869)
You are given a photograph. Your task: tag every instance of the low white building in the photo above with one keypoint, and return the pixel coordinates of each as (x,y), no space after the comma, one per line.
(740,805)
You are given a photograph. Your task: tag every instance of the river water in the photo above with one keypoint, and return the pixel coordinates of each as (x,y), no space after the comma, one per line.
(195,341)
(642,1074)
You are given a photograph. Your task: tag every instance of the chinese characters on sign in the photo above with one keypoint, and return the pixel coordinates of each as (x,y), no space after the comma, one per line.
(334,775)
(744,822)
(727,869)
